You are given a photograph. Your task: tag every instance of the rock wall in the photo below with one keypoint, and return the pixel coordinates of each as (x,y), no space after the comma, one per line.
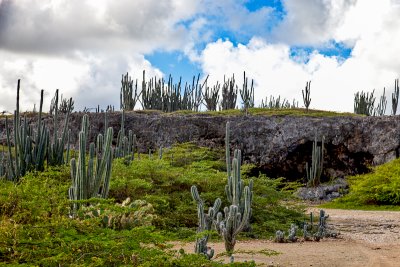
(278,145)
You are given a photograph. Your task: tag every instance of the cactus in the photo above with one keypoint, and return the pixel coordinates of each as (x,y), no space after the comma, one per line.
(395,97)
(247,94)
(229,94)
(29,147)
(317,160)
(205,222)
(88,181)
(364,103)
(236,217)
(306,95)
(128,97)
(292,233)
(234,221)
(381,108)
(280,236)
(55,154)
(211,97)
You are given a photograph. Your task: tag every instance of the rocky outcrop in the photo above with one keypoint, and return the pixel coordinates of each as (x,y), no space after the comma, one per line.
(278,145)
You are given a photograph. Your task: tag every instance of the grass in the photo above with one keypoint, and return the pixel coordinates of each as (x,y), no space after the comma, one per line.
(36,228)
(378,190)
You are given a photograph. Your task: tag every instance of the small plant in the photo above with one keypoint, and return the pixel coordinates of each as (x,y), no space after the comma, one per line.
(280,236)
(292,233)
(306,95)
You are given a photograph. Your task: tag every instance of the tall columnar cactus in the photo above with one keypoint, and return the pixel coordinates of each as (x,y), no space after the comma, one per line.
(29,147)
(317,160)
(89,180)
(128,97)
(55,154)
(247,94)
(364,103)
(306,95)
(395,96)
(125,147)
(205,223)
(229,94)
(211,96)
(381,108)
(236,217)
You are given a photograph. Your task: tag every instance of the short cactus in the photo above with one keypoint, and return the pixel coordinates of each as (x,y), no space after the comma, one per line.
(205,222)
(280,236)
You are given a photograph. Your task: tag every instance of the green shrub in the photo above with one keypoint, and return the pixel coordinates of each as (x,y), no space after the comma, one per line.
(381,187)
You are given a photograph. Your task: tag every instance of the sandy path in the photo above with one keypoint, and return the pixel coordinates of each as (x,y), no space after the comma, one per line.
(367,238)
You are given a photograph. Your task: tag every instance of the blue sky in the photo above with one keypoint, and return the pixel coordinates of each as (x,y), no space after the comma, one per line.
(83,47)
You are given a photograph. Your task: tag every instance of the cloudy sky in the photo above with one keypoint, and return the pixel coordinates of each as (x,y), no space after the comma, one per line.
(82,47)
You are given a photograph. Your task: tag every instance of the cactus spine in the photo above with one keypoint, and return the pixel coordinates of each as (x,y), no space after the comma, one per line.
(205,222)
(88,181)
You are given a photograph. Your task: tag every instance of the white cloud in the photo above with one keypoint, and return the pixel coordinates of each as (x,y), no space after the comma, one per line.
(276,73)
(311,22)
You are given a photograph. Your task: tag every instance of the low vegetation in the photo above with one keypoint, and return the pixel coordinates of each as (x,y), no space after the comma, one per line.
(379,189)
(36,227)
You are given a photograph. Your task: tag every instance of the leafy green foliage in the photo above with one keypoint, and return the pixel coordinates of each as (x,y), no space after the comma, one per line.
(381,187)
(36,227)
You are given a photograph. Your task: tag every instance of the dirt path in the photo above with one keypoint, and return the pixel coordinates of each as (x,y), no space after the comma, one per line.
(367,238)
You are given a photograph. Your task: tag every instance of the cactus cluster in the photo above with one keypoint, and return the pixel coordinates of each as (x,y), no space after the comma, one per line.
(247,94)
(30,146)
(309,231)
(314,171)
(167,96)
(211,96)
(55,154)
(381,108)
(364,103)
(236,217)
(125,147)
(128,97)
(205,223)
(91,175)
(278,103)
(34,146)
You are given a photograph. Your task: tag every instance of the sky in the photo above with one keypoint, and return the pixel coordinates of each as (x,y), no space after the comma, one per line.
(82,47)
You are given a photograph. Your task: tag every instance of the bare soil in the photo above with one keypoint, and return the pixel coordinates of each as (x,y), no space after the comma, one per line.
(367,238)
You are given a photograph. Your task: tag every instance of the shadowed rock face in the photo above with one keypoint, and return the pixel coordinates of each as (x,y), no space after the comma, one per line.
(278,145)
